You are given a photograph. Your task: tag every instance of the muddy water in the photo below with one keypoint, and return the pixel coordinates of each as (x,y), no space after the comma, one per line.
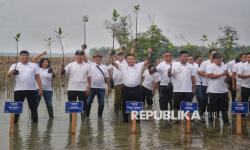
(111,133)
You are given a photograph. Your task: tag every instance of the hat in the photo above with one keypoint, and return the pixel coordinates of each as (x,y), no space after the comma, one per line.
(97,54)
(79,52)
(120,53)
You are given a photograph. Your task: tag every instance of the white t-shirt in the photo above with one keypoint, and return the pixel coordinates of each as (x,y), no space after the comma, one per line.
(149,79)
(97,78)
(131,75)
(203,68)
(163,68)
(230,66)
(197,76)
(46,79)
(25,80)
(77,76)
(182,75)
(117,75)
(235,70)
(217,85)
(244,69)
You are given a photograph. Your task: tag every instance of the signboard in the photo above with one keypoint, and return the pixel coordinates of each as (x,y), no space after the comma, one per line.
(240,108)
(133,106)
(189,106)
(13,107)
(74,107)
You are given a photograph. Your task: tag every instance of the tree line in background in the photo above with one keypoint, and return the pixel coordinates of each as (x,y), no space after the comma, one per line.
(120,28)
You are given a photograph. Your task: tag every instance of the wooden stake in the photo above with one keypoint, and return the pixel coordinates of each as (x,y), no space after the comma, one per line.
(73,123)
(188,127)
(238,124)
(11,131)
(133,130)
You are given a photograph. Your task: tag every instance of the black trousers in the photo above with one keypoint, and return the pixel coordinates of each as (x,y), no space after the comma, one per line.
(245,94)
(166,97)
(147,96)
(218,102)
(182,96)
(31,96)
(130,94)
(80,96)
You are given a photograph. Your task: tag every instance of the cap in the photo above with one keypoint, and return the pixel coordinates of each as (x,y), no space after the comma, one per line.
(79,52)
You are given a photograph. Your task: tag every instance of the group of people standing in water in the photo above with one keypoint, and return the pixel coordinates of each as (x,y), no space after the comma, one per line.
(176,80)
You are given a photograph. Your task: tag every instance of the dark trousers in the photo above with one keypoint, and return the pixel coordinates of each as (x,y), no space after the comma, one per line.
(130,94)
(218,102)
(31,96)
(166,97)
(147,96)
(204,99)
(245,94)
(47,95)
(81,96)
(182,96)
(100,97)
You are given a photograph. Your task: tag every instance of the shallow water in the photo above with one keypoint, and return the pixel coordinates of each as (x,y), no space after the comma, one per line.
(111,133)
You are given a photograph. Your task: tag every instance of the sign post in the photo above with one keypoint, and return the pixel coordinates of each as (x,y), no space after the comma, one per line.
(239,108)
(190,107)
(133,106)
(73,108)
(13,108)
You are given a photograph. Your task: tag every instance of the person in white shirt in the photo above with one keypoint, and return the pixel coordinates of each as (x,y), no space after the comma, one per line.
(183,80)
(98,77)
(198,94)
(217,88)
(26,76)
(116,76)
(78,85)
(131,74)
(236,81)
(150,80)
(46,75)
(244,74)
(204,80)
(165,86)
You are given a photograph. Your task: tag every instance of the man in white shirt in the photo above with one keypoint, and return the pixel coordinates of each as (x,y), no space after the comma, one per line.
(204,80)
(198,94)
(166,86)
(78,85)
(150,80)
(244,74)
(236,81)
(98,77)
(26,76)
(116,76)
(131,75)
(217,88)
(183,80)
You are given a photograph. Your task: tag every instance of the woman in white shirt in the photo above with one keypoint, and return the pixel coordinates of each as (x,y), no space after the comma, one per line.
(46,75)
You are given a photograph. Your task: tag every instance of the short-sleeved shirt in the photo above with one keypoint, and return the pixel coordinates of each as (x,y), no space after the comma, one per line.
(78,73)
(25,80)
(182,77)
(197,76)
(97,78)
(230,65)
(149,79)
(46,79)
(235,70)
(244,69)
(203,67)
(131,75)
(217,85)
(162,69)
